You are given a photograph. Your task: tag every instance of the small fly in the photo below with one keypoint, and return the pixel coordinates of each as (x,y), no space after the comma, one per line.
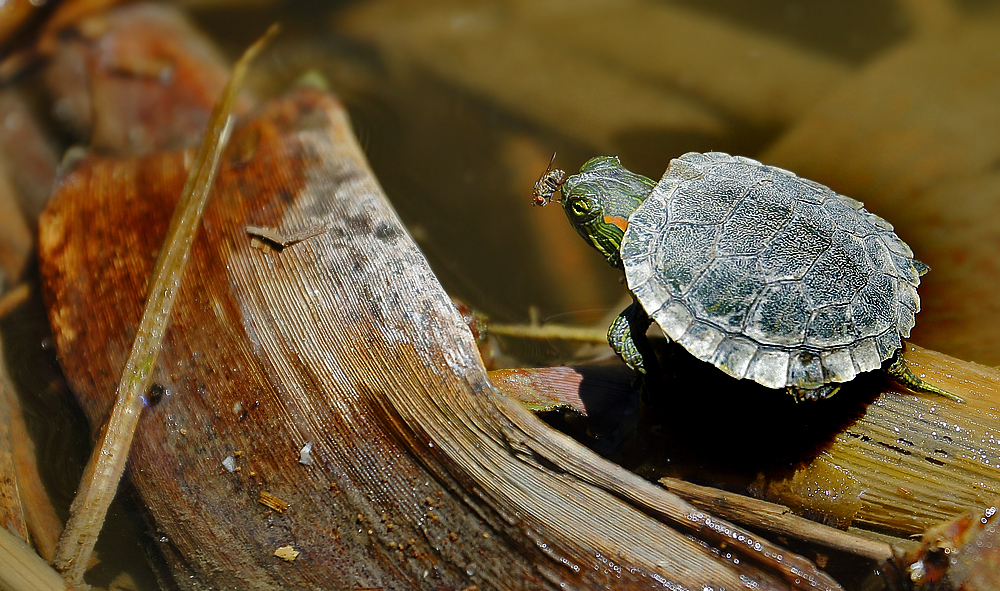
(548,184)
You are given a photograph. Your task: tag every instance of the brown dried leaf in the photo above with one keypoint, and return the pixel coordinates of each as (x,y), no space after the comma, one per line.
(136,79)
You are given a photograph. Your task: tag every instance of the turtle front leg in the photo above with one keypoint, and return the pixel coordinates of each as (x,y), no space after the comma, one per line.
(627,337)
(903,375)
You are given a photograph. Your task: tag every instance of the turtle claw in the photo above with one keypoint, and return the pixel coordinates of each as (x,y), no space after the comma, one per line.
(901,372)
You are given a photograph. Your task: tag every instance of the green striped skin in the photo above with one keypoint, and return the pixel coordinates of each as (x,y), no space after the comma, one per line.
(599,201)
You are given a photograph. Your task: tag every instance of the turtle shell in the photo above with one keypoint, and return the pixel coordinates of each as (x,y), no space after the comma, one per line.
(769,276)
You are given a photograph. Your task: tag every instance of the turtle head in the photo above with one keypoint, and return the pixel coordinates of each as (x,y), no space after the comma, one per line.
(599,201)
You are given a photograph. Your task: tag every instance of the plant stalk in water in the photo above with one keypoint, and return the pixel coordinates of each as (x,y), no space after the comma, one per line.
(107,462)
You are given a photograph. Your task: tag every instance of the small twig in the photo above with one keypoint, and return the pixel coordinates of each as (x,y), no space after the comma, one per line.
(39,514)
(561,332)
(279,241)
(14,298)
(107,462)
(273,502)
(776,518)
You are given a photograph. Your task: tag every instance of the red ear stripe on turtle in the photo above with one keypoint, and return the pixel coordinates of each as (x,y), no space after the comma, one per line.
(621,223)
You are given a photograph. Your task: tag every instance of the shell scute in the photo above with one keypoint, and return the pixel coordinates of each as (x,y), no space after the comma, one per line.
(873,309)
(904,266)
(642,272)
(756,220)
(653,295)
(745,170)
(702,340)
(689,205)
(807,191)
(734,355)
(686,251)
(898,246)
(652,218)
(831,326)
(847,217)
(723,157)
(881,223)
(770,368)
(908,296)
(697,158)
(644,235)
(879,255)
(795,249)
(724,293)
(685,168)
(888,343)
(838,365)
(852,203)
(866,356)
(838,274)
(780,315)
(674,319)
(805,370)
(905,321)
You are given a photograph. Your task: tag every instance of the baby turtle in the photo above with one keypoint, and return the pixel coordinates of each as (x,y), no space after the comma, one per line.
(768,276)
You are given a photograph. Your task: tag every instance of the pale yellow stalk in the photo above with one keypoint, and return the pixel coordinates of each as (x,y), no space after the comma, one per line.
(107,462)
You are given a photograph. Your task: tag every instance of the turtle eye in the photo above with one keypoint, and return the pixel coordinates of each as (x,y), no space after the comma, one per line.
(582,207)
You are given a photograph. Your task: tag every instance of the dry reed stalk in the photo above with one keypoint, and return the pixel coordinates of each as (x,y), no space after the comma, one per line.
(107,462)
(23,570)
